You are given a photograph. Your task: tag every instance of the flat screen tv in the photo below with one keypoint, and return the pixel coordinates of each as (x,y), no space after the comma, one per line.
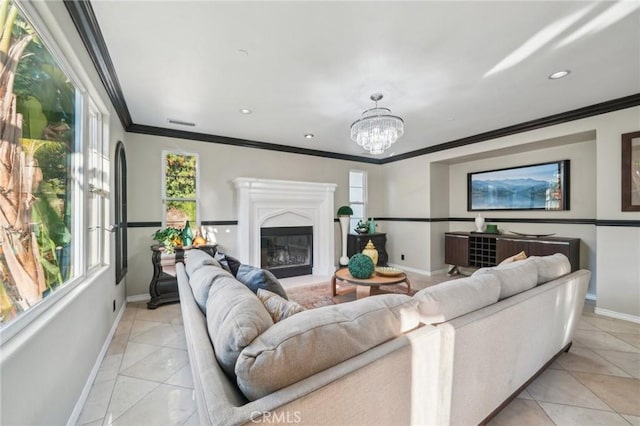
(534,187)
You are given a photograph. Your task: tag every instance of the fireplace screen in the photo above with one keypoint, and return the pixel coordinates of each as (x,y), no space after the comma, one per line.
(287,251)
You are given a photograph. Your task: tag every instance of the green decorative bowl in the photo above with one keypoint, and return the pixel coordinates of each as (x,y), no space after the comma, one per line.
(361,266)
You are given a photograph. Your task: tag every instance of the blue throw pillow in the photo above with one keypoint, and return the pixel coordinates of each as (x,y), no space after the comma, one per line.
(256,278)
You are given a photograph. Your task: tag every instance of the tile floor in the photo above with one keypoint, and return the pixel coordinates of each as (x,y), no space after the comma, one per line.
(145,378)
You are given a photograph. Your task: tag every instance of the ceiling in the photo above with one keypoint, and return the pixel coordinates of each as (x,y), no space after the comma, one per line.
(451,70)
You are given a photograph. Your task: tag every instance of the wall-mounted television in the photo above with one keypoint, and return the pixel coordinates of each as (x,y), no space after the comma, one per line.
(542,186)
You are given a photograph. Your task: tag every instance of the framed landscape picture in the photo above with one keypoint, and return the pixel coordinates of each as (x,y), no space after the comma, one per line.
(534,187)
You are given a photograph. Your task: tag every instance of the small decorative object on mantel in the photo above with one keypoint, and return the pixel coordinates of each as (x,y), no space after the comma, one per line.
(372,226)
(370,250)
(361,266)
(479,223)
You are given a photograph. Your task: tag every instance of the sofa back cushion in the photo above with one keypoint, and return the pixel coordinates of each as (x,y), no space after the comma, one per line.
(314,340)
(201,281)
(451,299)
(196,259)
(514,277)
(551,267)
(256,278)
(235,317)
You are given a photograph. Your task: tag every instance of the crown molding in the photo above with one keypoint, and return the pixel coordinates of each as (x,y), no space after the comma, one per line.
(84,19)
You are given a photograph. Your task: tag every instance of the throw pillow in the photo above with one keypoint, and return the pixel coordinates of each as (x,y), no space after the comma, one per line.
(551,267)
(256,278)
(445,301)
(520,256)
(514,277)
(235,317)
(202,280)
(314,340)
(195,259)
(231,264)
(278,307)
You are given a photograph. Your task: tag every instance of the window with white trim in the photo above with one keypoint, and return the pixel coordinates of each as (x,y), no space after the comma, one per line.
(180,189)
(50,146)
(357,196)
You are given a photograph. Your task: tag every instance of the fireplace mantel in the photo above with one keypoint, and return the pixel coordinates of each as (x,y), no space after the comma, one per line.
(274,203)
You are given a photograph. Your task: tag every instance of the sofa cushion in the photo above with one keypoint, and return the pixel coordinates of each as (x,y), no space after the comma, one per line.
(451,299)
(235,317)
(514,277)
(551,267)
(195,259)
(278,307)
(231,264)
(314,340)
(256,278)
(202,280)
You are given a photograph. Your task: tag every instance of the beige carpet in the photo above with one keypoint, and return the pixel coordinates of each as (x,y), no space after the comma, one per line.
(317,295)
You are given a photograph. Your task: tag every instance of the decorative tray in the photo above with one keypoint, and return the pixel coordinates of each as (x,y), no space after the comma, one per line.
(532,235)
(388,271)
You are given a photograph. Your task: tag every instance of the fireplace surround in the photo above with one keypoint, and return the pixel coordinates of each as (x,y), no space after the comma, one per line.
(270,203)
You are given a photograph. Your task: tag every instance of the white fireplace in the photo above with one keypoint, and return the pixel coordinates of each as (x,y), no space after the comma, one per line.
(266,203)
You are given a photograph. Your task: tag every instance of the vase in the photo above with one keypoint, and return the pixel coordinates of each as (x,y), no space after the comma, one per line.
(344,227)
(370,250)
(372,226)
(479,223)
(187,235)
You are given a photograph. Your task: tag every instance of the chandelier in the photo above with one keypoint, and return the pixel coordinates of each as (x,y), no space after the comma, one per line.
(377,129)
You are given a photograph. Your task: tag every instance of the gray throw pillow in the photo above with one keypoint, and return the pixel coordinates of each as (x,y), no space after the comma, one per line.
(256,278)
(196,259)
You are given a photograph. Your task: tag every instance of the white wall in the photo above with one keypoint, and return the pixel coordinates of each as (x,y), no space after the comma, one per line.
(44,367)
(219,165)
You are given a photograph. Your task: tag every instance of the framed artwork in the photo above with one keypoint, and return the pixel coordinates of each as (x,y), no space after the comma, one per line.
(534,187)
(631,172)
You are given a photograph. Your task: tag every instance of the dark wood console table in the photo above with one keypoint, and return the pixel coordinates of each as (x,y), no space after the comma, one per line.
(356,243)
(479,250)
(164,284)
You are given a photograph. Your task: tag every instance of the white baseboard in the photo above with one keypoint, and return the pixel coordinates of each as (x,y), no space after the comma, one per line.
(590,296)
(77,410)
(419,271)
(617,315)
(138,298)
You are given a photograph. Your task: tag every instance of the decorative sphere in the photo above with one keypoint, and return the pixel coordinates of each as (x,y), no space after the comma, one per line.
(361,266)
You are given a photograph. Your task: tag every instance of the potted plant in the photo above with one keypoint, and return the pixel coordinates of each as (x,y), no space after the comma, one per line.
(169,237)
(344,213)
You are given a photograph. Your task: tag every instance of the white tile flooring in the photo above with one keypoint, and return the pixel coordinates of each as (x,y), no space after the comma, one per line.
(145,378)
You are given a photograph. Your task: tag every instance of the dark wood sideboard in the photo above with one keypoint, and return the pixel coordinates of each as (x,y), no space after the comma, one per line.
(164,284)
(356,243)
(472,249)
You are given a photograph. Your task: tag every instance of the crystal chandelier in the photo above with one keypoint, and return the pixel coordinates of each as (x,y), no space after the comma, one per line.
(377,129)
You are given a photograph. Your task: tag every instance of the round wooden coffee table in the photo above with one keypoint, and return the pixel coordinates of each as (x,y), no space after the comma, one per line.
(366,286)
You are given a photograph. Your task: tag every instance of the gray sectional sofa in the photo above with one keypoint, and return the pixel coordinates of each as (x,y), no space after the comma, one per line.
(452,354)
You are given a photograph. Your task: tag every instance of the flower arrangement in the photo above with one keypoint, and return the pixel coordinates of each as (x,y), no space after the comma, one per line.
(169,237)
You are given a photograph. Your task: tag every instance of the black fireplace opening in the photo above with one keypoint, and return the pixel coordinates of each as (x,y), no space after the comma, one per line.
(287,251)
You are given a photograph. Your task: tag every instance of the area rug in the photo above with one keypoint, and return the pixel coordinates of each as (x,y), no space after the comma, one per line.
(318,295)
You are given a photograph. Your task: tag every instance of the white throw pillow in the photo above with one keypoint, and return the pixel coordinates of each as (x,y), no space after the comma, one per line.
(551,267)
(451,299)
(314,340)
(514,277)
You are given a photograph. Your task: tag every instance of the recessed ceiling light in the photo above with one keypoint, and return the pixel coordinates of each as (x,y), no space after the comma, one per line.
(559,74)
(245,111)
(309,135)
(180,122)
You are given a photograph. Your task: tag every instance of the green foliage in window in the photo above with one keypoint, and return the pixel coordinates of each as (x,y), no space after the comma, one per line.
(180,176)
